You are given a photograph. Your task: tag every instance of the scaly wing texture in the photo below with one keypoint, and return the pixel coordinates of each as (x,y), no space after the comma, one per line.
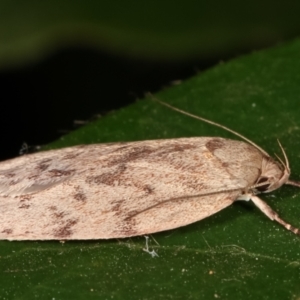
(119,190)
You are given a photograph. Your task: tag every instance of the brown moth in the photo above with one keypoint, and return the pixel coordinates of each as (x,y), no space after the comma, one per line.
(119,190)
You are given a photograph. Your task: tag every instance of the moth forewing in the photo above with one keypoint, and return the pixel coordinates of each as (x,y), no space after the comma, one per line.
(122,190)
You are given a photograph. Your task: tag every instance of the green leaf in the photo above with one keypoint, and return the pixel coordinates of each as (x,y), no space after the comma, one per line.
(236,254)
(155,29)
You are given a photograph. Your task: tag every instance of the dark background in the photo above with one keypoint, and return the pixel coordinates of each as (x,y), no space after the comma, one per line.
(43,101)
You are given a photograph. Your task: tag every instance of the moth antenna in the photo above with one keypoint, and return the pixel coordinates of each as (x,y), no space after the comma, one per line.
(286,164)
(212,123)
(280,160)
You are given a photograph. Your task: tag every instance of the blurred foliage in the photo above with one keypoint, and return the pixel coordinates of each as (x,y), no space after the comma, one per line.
(164,30)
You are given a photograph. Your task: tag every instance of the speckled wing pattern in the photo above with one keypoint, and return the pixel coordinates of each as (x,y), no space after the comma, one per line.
(120,190)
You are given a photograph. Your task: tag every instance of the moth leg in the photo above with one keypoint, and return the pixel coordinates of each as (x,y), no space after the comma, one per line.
(269,212)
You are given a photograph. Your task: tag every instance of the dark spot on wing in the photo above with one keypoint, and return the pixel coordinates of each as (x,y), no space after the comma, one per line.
(24,198)
(71,156)
(7,231)
(128,226)
(9,175)
(148,189)
(26,206)
(65,229)
(42,167)
(80,196)
(59,215)
(214,144)
(132,154)
(117,204)
(44,164)
(175,147)
(59,173)
(14,182)
(108,178)
(53,208)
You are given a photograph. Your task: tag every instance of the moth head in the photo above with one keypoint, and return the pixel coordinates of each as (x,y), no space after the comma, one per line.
(273,174)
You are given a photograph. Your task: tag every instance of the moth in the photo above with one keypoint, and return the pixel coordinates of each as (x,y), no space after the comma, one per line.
(120,190)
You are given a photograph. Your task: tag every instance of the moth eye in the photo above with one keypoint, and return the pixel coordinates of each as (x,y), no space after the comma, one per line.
(264,187)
